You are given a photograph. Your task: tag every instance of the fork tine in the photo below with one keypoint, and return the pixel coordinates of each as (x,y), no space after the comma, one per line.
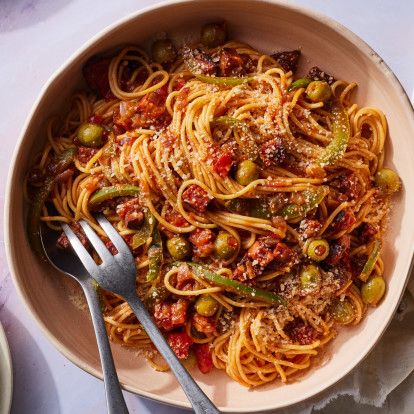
(80,250)
(96,242)
(114,236)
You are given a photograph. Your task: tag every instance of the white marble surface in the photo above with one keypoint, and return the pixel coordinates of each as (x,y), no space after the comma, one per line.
(36,37)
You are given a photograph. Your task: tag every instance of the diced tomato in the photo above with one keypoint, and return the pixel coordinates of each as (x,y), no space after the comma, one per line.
(339,250)
(95,72)
(203,242)
(347,184)
(231,63)
(63,241)
(179,85)
(204,359)
(288,59)
(95,119)
(223,164)
(149,111)
(184,277)
(180,343)
(309,228)
(283,254)
(175,218)
(261,253)
(196,198)
(344,220)
(170,315)
(204,324)
(199,61)
(86,153)
(245,270)
(131,212)
(299,332)
(179,312)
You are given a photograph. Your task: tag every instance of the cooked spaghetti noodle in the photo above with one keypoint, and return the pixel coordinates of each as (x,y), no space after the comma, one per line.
(220,158)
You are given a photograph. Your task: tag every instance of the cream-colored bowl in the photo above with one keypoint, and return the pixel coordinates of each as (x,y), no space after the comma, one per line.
(270,27)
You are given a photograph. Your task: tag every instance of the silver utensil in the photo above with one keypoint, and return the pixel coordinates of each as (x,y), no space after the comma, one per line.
(117,274)
(72,266)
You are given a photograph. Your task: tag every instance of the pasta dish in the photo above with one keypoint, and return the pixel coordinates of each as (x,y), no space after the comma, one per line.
(254,200)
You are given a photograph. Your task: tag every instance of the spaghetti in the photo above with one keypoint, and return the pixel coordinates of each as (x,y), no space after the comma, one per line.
(254,203)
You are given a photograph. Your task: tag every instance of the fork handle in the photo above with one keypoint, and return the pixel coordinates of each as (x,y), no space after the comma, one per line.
(200,402)
(114,398)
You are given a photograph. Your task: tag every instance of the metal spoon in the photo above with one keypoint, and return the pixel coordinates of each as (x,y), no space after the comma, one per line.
(72,266)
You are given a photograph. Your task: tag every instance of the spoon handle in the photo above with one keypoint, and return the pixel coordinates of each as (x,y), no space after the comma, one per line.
(200,402)
(114,398)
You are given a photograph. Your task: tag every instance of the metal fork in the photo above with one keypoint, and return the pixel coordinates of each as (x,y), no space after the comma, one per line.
(117,274)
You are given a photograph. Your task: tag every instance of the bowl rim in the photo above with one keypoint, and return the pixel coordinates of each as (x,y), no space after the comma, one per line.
(10,253)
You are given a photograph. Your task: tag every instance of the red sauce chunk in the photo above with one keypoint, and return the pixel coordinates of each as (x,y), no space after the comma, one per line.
(85,154)
(344,220)
(339,250)
(204,324)
(95,73)
(203,242)
(170,315)
(195,197)
(231,63)
(223,164)
(288,60)
(180,343)
(63,241)
(131,213)
(149,111)
(309,228)
(204,359)
(300,332)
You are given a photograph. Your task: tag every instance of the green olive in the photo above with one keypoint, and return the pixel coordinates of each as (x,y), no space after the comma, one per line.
(373,290)
(163,51)
(178,247)
(213,34)
(318,91)
(247,171)
(225,245)
(155,295)
(237,205)
(206,305)
(310,278)
(90,135)
(342,311)
(190,361)
(387,180)
(318,249)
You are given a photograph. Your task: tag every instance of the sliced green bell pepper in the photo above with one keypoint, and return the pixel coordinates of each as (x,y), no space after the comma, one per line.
(234,286)
(108,193)
(144,233)
(223,81)
(299,83)
(155,256)
(372,259)
(341,132)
